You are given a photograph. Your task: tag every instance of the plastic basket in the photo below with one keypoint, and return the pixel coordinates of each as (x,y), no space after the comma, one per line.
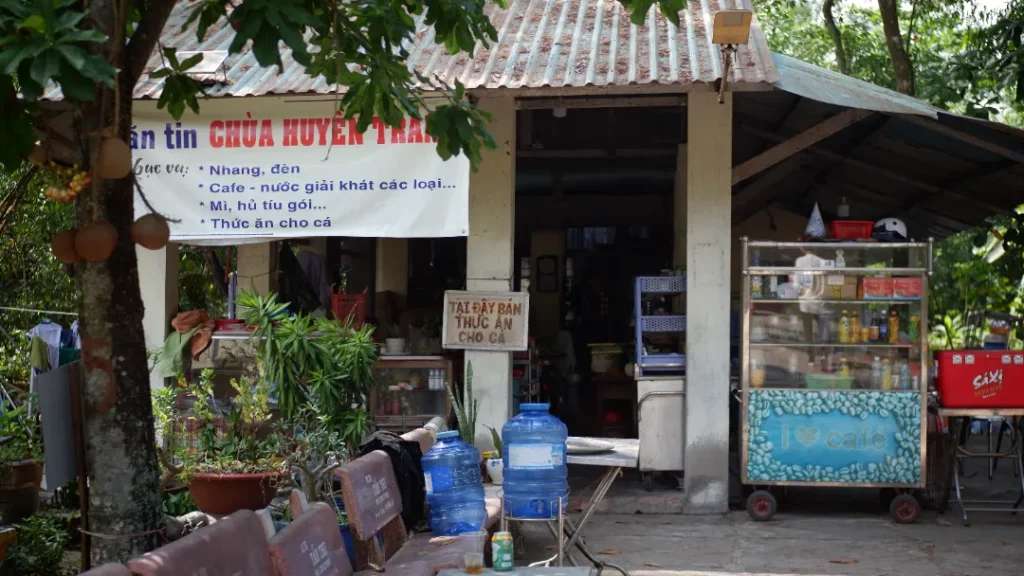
(344,306)
(663,323)
(852,229)
(662,284)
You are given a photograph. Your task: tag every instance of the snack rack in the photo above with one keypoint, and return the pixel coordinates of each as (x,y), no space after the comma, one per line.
(834,368)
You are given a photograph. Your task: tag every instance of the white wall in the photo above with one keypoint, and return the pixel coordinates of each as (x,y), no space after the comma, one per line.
(158,284)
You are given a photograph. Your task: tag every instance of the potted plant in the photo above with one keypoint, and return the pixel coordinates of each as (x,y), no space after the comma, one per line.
(237,461)
(21,467)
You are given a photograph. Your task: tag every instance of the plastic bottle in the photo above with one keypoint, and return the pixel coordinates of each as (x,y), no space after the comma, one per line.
(876,373)
(854,327)
(840,259)
(883,326)
(455,491)
(536,477)
(844,367)
(914,331)
(887,383)
(904,379)
(894,327)
(844,328)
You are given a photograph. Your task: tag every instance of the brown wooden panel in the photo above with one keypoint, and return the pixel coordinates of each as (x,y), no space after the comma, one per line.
(234,545)
(311,545)
(371,493)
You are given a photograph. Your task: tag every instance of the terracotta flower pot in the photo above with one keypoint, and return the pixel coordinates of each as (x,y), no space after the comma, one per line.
(222,494)
(19,489)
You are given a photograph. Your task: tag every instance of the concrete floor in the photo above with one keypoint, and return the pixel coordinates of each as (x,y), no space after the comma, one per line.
(817,531)
(847,544)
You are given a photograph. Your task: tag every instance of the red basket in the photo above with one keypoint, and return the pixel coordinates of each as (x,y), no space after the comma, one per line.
(345,305)
(852,229)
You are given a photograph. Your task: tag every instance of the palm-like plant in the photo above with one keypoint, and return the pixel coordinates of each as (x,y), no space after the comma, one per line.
(466,407)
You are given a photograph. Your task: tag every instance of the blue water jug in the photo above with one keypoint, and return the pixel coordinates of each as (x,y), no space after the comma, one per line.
(455,491)
(535,474)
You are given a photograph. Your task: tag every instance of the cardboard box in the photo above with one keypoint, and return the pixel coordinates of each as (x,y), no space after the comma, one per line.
(834,286)
(910,288)
(851,287)
(873,288)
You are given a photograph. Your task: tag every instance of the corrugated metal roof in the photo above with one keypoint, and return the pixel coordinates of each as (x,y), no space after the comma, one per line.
(817,83)
(554,44)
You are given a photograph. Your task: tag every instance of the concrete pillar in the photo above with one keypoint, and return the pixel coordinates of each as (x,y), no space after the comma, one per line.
(679,208)
(256,267)
(489,257)
(392,265)
(708,237)
(158,283)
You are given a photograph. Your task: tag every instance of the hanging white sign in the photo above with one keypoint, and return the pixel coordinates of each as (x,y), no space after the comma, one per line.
(265,168)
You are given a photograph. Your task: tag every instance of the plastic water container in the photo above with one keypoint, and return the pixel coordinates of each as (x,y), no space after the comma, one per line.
(536,477)
(455,491)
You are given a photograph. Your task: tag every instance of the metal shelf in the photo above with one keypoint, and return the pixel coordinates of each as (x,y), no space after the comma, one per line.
(779,270)
(905,301)
(814,345)
(838,244)
(840,390)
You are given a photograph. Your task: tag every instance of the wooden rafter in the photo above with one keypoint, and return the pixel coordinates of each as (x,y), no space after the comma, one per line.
(966,138)
(794,145)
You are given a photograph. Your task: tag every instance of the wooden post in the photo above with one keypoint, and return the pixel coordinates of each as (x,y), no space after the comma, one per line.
(708,238)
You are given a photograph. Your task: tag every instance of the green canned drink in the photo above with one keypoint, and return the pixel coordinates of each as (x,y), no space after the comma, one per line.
(501,552)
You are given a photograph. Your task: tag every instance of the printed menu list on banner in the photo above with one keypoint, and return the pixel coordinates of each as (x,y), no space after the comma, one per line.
(271,168)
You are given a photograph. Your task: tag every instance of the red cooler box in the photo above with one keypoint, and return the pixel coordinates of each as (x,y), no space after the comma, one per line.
(981,378)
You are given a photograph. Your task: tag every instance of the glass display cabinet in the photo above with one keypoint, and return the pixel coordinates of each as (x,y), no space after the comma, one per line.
(835,363)
(409,391)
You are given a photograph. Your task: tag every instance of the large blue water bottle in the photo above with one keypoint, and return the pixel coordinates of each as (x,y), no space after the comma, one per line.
(455,492)
(535,477)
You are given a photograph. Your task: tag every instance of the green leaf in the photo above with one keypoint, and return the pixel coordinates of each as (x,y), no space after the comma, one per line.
(35,22)
(45,66)
(190,62)
(74,85)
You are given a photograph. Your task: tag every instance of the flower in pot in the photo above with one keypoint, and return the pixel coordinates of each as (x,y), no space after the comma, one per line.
(21,467)
(237,462)
(492,459)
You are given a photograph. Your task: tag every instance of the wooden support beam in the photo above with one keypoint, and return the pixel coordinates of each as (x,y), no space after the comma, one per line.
(970,139)
(871,168)
(801,141)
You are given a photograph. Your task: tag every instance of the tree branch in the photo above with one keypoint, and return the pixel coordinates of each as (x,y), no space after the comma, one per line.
(837,37)
(140,45)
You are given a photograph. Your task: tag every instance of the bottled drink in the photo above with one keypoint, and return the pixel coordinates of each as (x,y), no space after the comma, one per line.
(536,476)
(887,383)
(844,367)
(840,259)
(854,327)
(904,379)
(844,328)
(455,491)
(894,327)
(876,373)
(914,330)
(883,326)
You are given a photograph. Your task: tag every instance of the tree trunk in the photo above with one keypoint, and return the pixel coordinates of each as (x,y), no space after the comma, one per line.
(124,479)
(902,67)
(837,37)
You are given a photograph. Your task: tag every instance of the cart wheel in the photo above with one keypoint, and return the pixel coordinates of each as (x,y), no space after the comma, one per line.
(647,479)
(761,505)
(905,509)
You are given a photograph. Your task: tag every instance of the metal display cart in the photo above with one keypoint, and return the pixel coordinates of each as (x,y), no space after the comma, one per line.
(410,391)
(835,369)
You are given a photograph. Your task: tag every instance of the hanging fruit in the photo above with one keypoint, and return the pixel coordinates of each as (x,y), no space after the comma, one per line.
(63,246)
(115,159)
(95,242)
(67,182)
(151,231)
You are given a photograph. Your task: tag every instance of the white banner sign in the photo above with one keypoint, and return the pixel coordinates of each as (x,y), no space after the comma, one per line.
(248,168)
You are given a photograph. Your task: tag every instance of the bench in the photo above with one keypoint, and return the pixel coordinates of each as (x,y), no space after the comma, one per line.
(374,507)
(311,545)
(235,545)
